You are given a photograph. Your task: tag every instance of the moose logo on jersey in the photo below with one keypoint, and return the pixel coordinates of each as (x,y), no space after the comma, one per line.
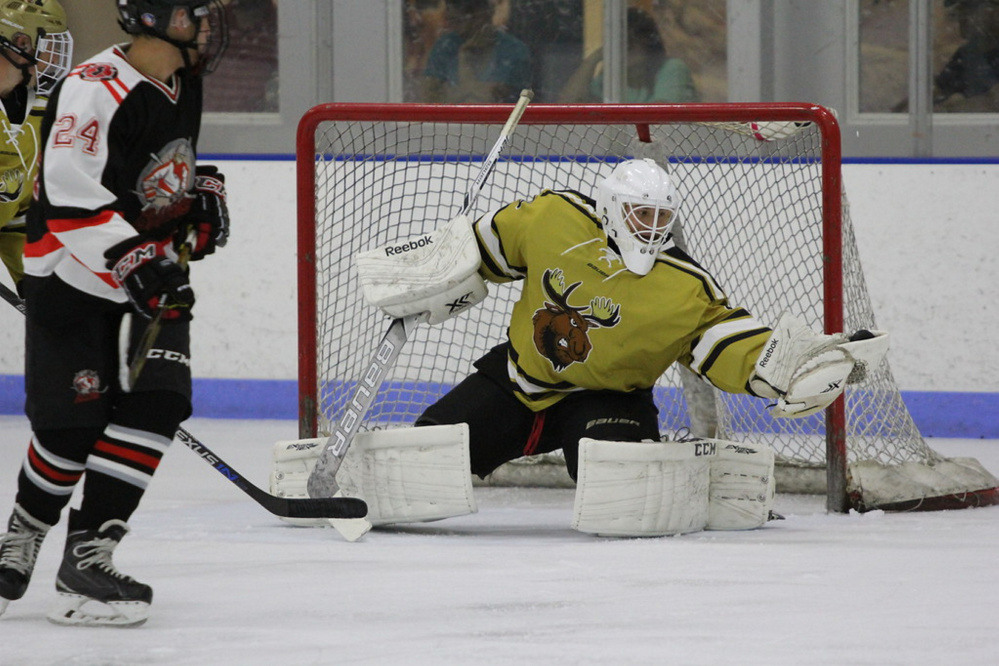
(560,329)
(164,185)
(11,185)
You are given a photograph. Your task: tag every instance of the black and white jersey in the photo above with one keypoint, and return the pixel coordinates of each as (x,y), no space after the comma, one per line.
(119,159)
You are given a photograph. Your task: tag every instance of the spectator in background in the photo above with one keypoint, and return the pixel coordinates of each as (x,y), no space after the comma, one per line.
(247,80)
(424,23)
(652,76)
(474,61)
(969,82)
(553,31)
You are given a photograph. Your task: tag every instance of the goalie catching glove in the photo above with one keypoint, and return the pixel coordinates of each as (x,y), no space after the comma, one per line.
(151,279)
(806,371)
(434,275)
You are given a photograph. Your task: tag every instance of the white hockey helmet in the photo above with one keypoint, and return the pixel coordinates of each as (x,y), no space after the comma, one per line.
(637,203)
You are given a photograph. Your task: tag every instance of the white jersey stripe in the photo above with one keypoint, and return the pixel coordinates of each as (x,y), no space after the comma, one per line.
(718,333)
(492,245)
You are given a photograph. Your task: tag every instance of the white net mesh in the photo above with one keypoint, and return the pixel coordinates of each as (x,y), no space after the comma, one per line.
(752,215)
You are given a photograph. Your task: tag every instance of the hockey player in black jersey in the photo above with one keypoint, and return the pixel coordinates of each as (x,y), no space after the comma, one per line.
(121,207)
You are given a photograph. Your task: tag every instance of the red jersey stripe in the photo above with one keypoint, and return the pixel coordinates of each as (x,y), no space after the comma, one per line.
(70,224)
(44,246)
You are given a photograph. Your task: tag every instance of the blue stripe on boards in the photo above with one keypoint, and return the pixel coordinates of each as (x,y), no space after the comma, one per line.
(964,415)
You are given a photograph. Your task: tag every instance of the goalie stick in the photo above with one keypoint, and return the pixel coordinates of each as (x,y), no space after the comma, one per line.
(326,507)
(322,480)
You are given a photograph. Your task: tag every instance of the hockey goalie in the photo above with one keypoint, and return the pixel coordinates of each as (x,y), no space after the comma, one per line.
(608,304)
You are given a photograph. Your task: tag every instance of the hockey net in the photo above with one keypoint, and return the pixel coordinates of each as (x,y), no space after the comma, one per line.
(762,209)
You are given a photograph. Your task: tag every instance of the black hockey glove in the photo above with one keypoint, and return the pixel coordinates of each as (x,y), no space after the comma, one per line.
(152,281)
(209,214)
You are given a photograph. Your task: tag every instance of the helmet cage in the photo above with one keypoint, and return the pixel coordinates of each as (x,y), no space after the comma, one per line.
(49,47)
(636,184)
(53,60)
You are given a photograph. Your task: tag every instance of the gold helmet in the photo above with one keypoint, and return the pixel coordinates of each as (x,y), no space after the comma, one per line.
(37,31)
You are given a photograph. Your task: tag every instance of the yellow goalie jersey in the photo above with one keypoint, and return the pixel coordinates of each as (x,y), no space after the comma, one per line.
(19,144)
(583,321)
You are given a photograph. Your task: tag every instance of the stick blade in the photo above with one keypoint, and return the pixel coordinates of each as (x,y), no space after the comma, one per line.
(327,507)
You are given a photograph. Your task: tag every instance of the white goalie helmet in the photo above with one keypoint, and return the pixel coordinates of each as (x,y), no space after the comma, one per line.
(637,203)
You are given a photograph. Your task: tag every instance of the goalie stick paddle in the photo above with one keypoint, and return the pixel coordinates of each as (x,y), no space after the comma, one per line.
(322,480)
(326,507)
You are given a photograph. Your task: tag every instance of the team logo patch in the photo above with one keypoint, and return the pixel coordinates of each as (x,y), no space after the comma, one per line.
(164,185)
(560,329)
(87,384)
(98,71)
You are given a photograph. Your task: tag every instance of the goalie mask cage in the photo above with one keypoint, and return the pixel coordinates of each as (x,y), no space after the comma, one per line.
(762,210)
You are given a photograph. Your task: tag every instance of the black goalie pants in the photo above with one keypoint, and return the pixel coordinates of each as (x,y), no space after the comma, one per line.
(501,428)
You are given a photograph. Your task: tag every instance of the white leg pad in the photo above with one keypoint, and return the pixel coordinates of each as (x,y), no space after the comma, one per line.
(405,475)
(741,492)
(291,463)
(636,489)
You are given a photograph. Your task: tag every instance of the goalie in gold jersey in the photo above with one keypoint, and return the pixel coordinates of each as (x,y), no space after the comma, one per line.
(37,50)
(607,305)
(604,311)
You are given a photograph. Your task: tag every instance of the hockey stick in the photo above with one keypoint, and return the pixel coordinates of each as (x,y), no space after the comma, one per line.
(322,480)
(327,507)
(153,329)
(8,295)
(321,507)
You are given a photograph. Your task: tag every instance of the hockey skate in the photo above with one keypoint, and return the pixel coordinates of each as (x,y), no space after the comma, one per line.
(18,552)
(92,592)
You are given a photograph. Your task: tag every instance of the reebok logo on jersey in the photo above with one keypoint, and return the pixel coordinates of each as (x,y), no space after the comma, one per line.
(408,246)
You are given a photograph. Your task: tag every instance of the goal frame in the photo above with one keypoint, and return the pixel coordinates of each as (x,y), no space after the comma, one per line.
(639,115)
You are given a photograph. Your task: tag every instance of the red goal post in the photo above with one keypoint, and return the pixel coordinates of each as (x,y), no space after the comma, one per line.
(763,210)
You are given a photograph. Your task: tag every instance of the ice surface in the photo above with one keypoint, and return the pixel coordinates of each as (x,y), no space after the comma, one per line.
(513,584)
